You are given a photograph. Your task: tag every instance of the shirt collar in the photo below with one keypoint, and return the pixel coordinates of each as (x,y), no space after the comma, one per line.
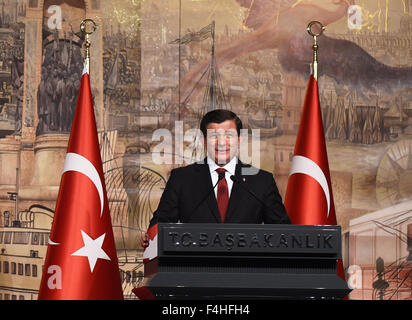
(230,166)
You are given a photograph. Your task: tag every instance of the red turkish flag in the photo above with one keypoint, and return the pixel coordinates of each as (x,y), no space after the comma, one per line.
(309,197)
(81,261)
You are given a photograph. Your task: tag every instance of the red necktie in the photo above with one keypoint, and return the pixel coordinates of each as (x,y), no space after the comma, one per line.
(222,193)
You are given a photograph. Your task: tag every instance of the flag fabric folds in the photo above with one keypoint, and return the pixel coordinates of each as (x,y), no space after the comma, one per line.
(81,261)
(198,36)
(309,197)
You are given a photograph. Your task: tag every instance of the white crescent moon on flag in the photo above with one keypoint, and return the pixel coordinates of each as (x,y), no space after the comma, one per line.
(306,166)
(76,162)
(53,243)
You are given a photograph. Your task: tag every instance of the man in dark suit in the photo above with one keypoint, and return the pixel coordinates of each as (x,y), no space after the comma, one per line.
(221,189)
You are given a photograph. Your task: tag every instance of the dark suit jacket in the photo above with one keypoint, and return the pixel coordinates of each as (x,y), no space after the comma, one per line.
(183,199)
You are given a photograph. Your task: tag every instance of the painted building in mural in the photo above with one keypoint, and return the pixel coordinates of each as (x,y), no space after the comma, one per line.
(143,80)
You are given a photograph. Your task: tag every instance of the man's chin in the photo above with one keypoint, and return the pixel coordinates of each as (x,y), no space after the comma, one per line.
(222,160)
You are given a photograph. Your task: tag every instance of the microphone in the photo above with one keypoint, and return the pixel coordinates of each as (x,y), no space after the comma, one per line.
(240,182)
(220,177)
(265,206)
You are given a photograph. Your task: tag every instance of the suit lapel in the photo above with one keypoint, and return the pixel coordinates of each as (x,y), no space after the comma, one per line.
(211,201)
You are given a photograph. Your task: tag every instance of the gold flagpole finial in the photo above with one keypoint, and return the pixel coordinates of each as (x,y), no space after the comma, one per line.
(315,45)
(87,42)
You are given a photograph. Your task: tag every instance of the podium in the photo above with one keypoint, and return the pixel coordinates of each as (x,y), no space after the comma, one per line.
(245,261)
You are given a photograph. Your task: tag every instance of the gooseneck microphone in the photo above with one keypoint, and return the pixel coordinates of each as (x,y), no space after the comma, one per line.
(220,177)
(241,183)
(265,206)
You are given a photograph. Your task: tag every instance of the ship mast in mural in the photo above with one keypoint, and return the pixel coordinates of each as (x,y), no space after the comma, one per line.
(213,97)
(394,279)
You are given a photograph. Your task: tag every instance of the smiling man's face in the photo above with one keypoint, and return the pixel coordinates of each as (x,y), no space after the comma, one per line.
(222,141)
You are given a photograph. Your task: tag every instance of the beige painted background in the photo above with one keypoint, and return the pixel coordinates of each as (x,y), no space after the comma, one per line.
(141,82)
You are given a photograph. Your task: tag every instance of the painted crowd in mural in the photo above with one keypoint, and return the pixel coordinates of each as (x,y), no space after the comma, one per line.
(162,65)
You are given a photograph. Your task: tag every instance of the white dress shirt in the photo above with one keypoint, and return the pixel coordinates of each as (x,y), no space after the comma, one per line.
(230,170)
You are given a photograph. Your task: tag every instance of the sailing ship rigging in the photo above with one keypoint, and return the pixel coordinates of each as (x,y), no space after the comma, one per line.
(213,96)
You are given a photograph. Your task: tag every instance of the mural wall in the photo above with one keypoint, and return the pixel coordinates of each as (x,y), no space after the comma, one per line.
(163,64)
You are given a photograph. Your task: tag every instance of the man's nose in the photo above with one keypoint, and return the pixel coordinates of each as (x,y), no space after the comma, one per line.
(221,140)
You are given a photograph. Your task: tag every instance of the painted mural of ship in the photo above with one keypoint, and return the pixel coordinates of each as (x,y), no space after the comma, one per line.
(265,116)
(213,95)
(23,246)
(24,236)
(267,121)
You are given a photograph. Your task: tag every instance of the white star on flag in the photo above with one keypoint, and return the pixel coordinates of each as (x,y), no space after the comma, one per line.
(92,249)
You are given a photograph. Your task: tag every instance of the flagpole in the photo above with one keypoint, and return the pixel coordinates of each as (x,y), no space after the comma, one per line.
(315,46)
(180,37)
(87,43)
(212,69)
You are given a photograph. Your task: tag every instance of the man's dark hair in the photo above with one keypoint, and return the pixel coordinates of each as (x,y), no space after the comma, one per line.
(219,116)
